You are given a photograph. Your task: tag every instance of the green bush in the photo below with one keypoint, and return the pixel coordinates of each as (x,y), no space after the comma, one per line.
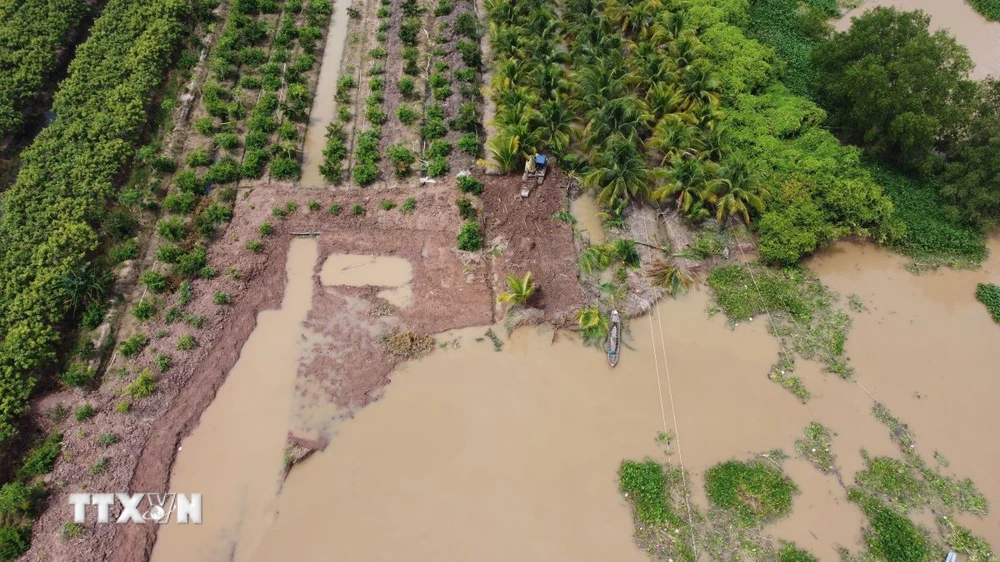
(469,184)
(78,376)
(989,8)
(470,239)
(357,209)
(645,483)
(42,458)
(365,173)
(890,536)
(205,126)
(15,540)
(163,362)
(989,295)
(20,500)
(335,209)
(186,342)
(406,86)
(469,144)
(107,439)
(144,310)
(465,208)
(221,298)
(407,115)
(387,204)
(439,149)
(84,413)
(154,281)
(224,171)
(198,157)
(143,386)
(753,492)
(437,167)
(255,246)
(188,182)
(402,159)
(285,169)
(408,206)
(179,203)
(173,229)
(227,141)
(133,345)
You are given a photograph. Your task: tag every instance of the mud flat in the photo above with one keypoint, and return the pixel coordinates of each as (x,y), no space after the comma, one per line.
(324,110)
(980,35)
(927,349)
(235,455)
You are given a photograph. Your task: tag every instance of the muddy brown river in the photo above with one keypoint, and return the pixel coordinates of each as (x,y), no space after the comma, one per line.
(512,455)
(980,35)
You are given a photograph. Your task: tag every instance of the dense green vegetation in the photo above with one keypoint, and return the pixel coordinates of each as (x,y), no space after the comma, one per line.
(792,28)
(52,214)
(679,108)
(32,37)
(989,8)
(756,492)
(989,295)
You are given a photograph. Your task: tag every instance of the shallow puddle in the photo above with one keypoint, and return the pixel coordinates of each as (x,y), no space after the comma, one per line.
(358,271)
(234,456)
(586,210)
(980,35)
(324,110)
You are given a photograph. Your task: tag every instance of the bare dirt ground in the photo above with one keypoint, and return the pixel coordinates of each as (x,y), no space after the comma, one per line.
(528,238)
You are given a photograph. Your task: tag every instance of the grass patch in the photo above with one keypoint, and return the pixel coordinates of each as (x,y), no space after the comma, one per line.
(893,482)
(815,447)
(42,458)
(801,308)
(644,484)
(754,492)
(143,386)
(889,535)
(989,295)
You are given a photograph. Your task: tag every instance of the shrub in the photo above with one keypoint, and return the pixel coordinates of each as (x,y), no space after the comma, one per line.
(84,413)
(402,159)
(250,83)
(443,8)
(198,157)
(107,439)
(254,161)
(143,386)
(335,209)
(144,310)
(185,294)
(133,345)
(123,406)
(221,298)
(78,376)
(186,342)
(437,167)
(469,144)
(15,540)
(266,229)
(408,206)
(228,141)
(365,173)
(42,457)
(467,118)
(163,362)
(387,205)
(169,253)
(313,205)
(406,114)
(465,208)
(406,86)
(470,53)
(188,182)
(173,229)
(179,203)
(205,126)
(357,209)
(154,281)
(283,168)
(471,185)
(255,246)
(19,499)
(127,250)
(754,492)
(226,170)
(378,53)
(439,149)
(192,263)
(470,238)
(467,25)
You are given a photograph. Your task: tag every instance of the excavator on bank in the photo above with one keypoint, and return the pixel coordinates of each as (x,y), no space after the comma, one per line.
(535,169)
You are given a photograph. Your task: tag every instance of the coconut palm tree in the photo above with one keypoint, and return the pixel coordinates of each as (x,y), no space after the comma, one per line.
(626,116)
(742,193)
(667,275)
(557,124)
(519,289)
(619,174)
(506,151)
(593,324)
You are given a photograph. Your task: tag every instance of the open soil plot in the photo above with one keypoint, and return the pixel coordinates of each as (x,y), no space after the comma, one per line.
(525,236)
(448,293)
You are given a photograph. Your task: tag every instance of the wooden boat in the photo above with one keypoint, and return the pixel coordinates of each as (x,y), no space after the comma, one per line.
(614,338)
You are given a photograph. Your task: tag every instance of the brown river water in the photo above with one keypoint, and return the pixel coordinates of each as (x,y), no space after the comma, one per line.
(980,35)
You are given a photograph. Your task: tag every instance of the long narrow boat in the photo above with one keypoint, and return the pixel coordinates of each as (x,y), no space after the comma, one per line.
(614,338)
